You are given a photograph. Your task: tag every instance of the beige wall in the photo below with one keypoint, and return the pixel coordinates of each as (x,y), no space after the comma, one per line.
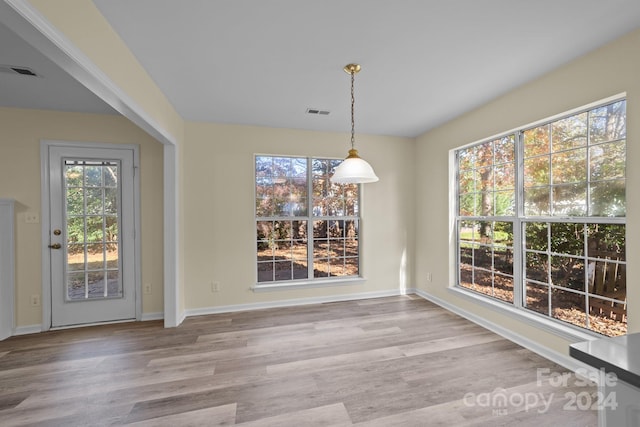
(608,71)
(219,210)
(21,132)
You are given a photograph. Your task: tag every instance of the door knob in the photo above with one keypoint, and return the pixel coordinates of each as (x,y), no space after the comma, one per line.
(55,246)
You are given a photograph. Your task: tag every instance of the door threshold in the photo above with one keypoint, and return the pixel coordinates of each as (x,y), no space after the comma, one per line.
(86,325)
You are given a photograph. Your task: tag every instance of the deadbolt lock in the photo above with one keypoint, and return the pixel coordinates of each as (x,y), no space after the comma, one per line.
(57,232)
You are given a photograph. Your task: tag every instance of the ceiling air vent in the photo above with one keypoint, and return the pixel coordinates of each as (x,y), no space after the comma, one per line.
(317,112)
(13,69)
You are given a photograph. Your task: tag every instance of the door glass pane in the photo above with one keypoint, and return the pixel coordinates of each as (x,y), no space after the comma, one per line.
(111,201)
(76,286)
(92,192)
(75,200)
(95,229)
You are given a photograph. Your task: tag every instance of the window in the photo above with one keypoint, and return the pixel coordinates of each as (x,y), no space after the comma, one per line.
(307,227)
(548,236)
(486,185)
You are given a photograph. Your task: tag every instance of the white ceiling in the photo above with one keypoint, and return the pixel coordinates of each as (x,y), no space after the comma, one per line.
(265,62)
(53,90)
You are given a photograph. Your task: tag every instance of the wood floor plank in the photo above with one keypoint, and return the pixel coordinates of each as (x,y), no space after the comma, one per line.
(319,337)
(381,362)
(276,392)
(329,362)
(8,401)
(101,385)
(449,343)
(334,415)
(471,412)
(255,332)
(79,412)
(224,415)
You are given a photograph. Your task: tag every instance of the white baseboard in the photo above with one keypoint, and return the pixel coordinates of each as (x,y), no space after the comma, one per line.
(559,358)
(152,316)
(292,302)
(181,316)
(26,330)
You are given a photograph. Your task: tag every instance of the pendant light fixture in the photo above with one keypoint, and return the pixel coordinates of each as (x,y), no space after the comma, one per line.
(353,170)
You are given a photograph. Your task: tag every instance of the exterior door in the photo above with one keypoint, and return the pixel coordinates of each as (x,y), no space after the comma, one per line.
(92,234)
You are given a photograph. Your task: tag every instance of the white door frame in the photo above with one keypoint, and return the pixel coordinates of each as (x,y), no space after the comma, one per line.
(46,221)
(7,266)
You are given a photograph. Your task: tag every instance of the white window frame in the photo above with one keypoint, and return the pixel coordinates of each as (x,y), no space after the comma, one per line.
(516,309)
(310,281)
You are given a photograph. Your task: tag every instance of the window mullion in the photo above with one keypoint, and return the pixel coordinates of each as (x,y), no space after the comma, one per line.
(588,177)
(518,240)
(549,280)
(456,204)
(310,241)
(585,258)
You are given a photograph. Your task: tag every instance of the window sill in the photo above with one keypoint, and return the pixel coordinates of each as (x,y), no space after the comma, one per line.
(304,284)
(568,332)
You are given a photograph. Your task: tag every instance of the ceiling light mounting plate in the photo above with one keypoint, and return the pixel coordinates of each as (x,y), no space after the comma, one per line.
(352,68)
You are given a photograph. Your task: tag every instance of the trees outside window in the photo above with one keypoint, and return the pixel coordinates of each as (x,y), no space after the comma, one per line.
(307,227)
(548,236)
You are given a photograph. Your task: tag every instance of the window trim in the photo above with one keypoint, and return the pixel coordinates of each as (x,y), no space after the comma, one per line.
(310,281)
(321,282)
(531,318)
(516,308)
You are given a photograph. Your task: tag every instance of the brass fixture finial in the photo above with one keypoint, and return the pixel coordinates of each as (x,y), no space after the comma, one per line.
(352,68)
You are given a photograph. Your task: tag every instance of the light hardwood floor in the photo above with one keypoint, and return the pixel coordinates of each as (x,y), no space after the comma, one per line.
(399,361)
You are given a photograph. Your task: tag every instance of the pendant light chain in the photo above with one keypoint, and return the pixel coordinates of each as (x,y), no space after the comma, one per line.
(353,121)
(353,169)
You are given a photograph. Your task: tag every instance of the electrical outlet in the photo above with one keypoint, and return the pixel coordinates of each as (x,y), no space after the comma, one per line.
(429,277)
(31,218)
(215,286)
(147,288)
(35,300)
